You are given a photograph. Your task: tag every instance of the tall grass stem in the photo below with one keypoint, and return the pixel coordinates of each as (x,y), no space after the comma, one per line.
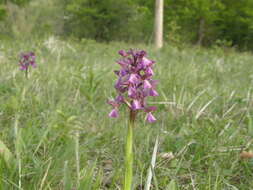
(77,159)
(152,166)
(18,150)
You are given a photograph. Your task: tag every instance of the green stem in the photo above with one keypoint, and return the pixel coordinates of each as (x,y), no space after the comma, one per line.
(26,73)
(129,153)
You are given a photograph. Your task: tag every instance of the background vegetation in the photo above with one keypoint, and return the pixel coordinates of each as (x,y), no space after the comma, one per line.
(209,22)
(56,123)
(204,118)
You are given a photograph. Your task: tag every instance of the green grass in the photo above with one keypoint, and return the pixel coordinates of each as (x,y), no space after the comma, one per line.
(204,118)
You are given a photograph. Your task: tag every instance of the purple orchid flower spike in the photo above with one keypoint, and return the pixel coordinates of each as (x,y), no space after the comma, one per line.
(134,86)
(134,83)
(27,60)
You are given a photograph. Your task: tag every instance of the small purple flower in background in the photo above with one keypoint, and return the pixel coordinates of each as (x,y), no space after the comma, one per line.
(27,60)
(134,84)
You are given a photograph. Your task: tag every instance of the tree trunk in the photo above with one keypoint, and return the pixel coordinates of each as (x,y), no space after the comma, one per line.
(159,24)
(201,32)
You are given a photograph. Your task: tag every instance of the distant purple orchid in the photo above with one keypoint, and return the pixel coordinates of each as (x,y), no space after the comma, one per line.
(134,84)
(27,60)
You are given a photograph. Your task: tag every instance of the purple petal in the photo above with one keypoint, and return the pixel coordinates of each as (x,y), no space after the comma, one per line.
(153,93)
(120,86)
(33,64)
(150,118)
(141,53)
(124,62)
(119,99)
(31,54)
(149,71)
(114,113)
(121,89)
(133,79)
(23,67)
(146,84)
(123,53)
(132,92)
(26,56)
(132,52)
(123,72)
(136,105)
(146,62)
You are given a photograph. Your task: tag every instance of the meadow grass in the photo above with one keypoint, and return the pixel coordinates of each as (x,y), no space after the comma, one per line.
(57,128)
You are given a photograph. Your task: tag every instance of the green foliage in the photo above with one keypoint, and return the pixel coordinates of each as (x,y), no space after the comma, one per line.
(194,21)
(212,20)
(3,7)
(2,10)
(20,2)
(38,18)
(189,15)
(202,22)
(236,22)
(101,18)
(106,20)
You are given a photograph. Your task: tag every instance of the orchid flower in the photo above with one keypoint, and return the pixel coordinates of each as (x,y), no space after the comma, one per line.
(27,60)
(134,85)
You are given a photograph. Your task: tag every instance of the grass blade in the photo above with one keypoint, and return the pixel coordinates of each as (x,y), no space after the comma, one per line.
(152,166)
